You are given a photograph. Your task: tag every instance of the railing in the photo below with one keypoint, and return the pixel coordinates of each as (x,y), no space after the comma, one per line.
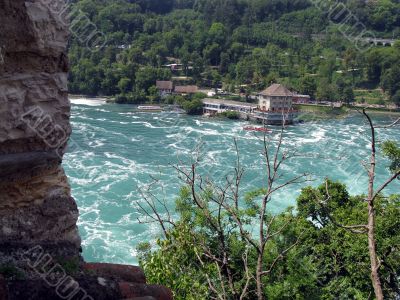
(284,111)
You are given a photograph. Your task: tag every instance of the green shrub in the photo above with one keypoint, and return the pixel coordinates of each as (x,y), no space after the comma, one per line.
(194,107)
(232,115)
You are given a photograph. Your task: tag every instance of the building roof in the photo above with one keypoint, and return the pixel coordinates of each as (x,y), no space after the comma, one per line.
(186,89)
(276,90)
(229,102)
(164,85)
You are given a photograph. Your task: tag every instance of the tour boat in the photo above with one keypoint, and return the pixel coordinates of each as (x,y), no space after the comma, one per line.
(258,129)
(151,108)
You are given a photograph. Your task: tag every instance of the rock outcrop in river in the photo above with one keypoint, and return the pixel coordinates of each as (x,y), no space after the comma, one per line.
(39,241)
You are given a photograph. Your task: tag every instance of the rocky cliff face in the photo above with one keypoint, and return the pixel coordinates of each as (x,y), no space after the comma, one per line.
(39,241)
(35,200)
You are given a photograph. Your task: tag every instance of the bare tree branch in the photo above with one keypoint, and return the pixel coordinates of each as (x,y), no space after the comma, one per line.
(247,273)
(389,181)
(281,256)
(390,125)
(211,286)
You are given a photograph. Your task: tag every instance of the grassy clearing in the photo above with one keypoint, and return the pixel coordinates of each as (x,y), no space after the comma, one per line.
(311,112)
(322,109)
(376,96)
(318,112)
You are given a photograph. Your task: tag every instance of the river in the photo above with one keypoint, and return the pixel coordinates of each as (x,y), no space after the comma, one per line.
(116,153)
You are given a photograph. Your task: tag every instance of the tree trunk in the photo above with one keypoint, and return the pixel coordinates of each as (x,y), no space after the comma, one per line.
(376,282)
(259,277)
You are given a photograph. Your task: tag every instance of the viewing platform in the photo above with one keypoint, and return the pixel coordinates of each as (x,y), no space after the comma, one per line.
(274,107)
(249,111)
(216,106)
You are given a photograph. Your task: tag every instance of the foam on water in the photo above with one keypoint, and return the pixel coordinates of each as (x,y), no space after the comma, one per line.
(120,153)
(88,102)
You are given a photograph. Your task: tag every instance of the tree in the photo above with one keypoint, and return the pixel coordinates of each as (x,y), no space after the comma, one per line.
(313,254)
(371,199)
(223,224)
(327,262)
(326,91)
(214,78)
(185,60)
(124,85)
(338,256)
(396,98)
(244,71)
(154,94)
(328,66)
(198,65)
(224,62)
(217,34)
(158,6)
(374,68)
(369,228)
(392,151)
(308,86)
(146,77)
(348,94)
(236,51)
(213,54)
(194,107)
(175,264)
(390,80)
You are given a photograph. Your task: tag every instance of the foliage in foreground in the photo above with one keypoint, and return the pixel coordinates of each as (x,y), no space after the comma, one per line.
(328,262)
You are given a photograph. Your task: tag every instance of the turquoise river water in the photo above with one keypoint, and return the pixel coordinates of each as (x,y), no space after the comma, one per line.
(117,154)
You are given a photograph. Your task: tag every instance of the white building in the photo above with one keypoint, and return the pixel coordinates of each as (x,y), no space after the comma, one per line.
(275,105)
(275,98)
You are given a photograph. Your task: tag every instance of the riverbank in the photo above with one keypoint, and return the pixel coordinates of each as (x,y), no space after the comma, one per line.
(308,112)
(380,111)
(329,111)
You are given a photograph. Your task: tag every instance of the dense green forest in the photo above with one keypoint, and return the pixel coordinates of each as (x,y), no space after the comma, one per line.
(241,45)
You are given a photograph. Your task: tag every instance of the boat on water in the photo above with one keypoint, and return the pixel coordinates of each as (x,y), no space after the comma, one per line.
(150,108)
(257,129)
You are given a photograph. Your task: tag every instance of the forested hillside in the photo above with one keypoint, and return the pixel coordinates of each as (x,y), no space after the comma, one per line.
(237,44)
